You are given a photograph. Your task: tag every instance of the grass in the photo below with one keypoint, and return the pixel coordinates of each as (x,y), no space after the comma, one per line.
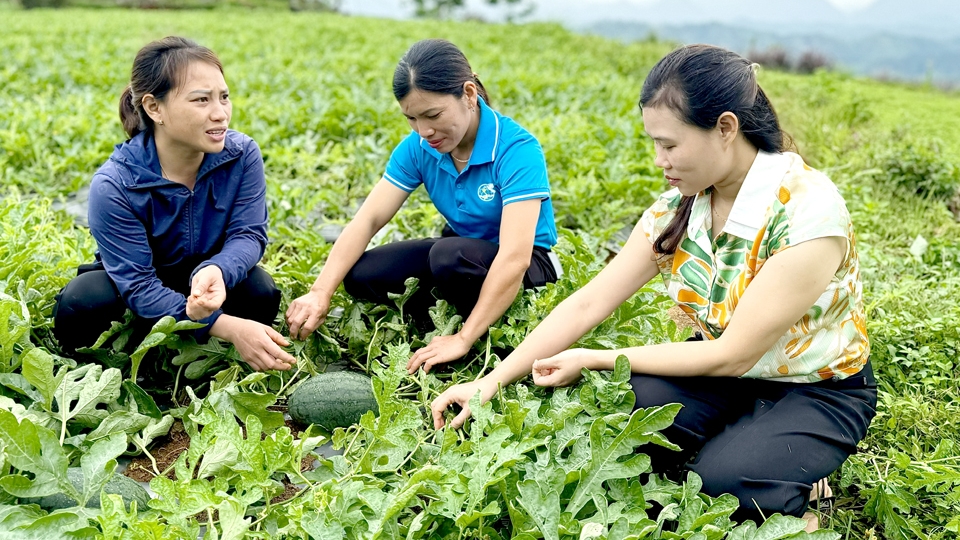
(313,90)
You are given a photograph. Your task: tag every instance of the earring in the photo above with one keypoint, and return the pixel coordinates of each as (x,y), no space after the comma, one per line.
(160,122)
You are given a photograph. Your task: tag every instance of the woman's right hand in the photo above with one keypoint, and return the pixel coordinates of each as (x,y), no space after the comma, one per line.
(307,313)
(461,394)
(258,344)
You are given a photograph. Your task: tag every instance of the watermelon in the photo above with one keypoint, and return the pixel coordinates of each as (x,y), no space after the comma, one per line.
(332,400)
(119,484)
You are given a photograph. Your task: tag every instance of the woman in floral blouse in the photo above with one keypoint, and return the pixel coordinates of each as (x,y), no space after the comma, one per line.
(758,249)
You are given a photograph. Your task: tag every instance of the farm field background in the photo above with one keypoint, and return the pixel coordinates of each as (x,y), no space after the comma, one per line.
(314,91)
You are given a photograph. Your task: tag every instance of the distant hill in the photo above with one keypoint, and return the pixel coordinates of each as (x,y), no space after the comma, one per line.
(862,51)
(919,18)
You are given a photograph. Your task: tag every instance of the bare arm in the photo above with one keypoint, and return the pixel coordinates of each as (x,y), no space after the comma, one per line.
(631,269)
(509,266)
(308,312)
(796,277)
(519,221)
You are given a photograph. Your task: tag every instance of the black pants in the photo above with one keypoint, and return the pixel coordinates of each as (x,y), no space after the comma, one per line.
(765,442)
(88,304)
(454,266)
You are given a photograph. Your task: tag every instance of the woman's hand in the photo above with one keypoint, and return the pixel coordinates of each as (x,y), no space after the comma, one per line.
(258,344)
(562,369)
(307,313)
(461,394)
(207,294)
(441,349)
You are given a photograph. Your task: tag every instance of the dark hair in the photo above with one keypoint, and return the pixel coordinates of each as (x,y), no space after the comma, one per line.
(434,65)
(699,83)
(158,67)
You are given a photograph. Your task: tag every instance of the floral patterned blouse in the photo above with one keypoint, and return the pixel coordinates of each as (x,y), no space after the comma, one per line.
(781,203)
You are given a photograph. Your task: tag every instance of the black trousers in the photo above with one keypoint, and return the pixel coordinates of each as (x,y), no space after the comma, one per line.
(452,265)
(90,302)
(765,442)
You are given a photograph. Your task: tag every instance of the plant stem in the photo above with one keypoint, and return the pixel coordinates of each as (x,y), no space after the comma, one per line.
(63,415)
(373,338)
(176,386)
(292,378)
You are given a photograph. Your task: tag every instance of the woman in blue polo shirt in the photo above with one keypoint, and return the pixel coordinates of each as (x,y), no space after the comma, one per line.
(484,173)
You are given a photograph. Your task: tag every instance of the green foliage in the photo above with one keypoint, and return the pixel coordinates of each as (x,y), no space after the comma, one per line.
(534,463)
(917,166)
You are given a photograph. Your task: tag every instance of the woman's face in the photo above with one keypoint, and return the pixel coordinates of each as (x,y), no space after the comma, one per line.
(442,119)
(195,114)
(692,159)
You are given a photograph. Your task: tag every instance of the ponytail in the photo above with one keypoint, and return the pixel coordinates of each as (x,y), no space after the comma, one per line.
(669,240)
(130,114)
(481,90)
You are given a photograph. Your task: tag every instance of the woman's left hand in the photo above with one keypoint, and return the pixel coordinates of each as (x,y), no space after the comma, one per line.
(562,369)
(440,350)
(207,293)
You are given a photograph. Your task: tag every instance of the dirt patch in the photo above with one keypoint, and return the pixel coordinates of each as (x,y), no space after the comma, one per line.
(289,491)
(166,452)
(169,448)
(680,318)
(295,429)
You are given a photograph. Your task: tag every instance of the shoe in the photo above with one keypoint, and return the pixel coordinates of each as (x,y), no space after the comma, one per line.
(822,497)
(821,501)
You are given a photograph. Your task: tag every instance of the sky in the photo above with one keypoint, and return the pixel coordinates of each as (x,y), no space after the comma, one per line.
(851,5)
(934,19)
(568,11)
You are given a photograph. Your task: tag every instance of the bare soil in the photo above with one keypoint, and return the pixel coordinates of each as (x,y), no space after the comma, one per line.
(166,452)
(168,449)
(680,318)
(289,491)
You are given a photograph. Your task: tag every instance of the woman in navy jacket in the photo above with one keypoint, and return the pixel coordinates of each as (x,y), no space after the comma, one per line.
(179,215)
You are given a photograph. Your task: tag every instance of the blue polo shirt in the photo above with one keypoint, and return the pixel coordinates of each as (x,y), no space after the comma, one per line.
(506,166)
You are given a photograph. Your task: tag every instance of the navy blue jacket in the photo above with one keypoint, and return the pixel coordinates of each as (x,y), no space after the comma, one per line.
(145,224)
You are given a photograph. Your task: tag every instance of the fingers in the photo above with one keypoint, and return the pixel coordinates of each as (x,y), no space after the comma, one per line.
(262,349)
(295,317)
(443,402)
(195,311)
(545,372)
(426,358)
(208,278)
(310,324)
(438,407)
(416,360)
(461,418)
(203,281)
(442,349)
(294,329)
(437,359)
(281,359)
(303,318)
(277,337)
(266,362)
(200,286)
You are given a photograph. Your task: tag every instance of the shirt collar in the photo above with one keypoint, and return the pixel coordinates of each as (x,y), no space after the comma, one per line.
(139,155)
(488,137)
(749,208)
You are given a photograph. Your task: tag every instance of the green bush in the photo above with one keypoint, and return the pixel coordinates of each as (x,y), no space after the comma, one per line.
(916,165)
(31,4)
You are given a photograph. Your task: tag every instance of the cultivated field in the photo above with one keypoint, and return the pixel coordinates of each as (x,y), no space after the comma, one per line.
(314,91)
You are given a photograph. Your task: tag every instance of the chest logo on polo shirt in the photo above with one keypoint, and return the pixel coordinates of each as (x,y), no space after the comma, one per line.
(486,192)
